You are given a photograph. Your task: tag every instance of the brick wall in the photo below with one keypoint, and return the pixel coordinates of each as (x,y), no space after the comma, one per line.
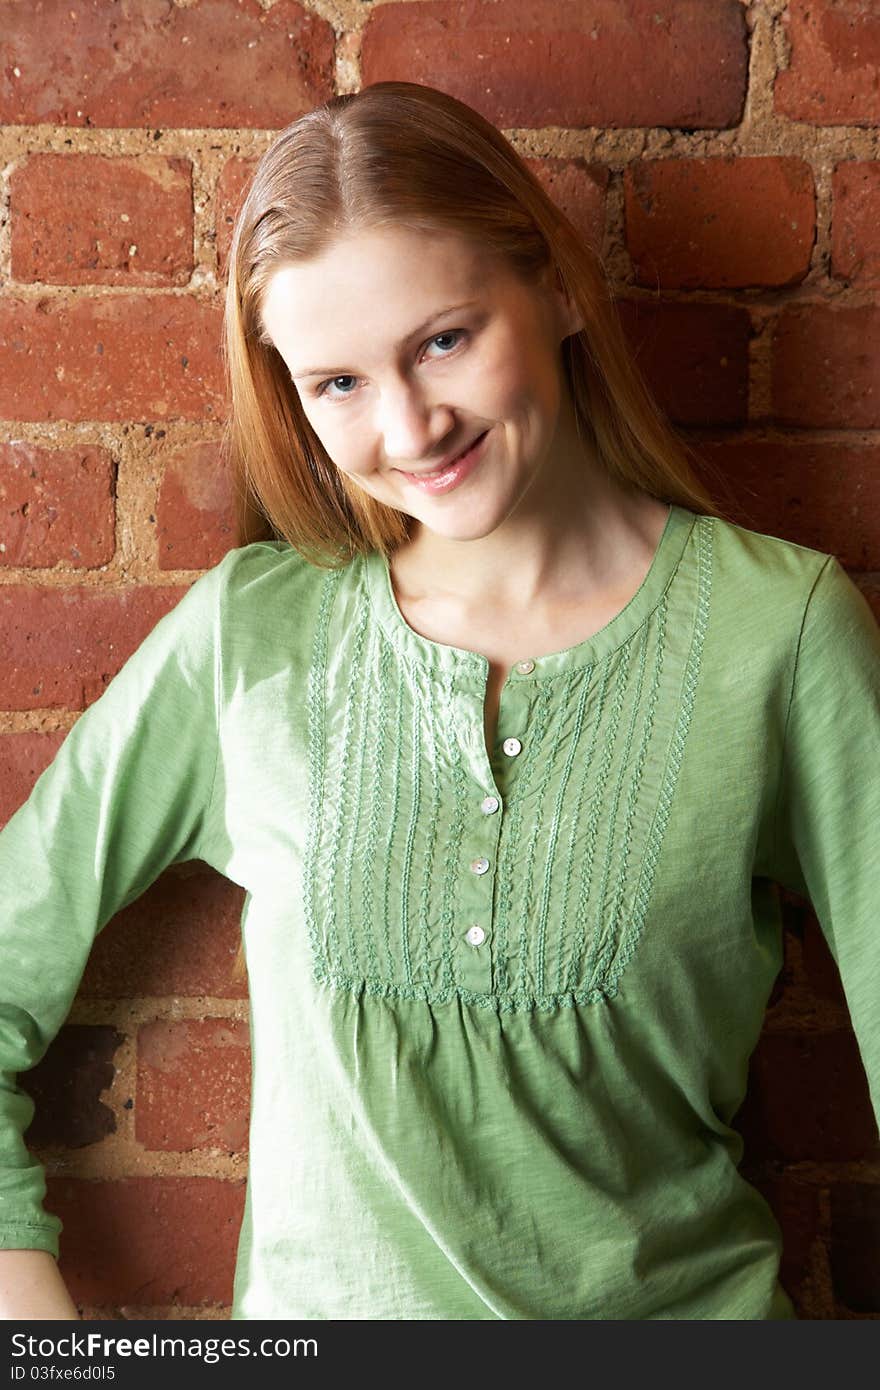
(724,158)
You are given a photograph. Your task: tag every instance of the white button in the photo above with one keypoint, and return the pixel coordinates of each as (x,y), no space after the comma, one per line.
(512,746)
(489,804)
(475,935)
(525,667)
(480,866)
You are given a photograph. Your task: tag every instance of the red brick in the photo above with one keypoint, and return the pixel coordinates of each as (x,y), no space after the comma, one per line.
(694,358)
(820,966)
(719,223)
(826,366)
(855,1245)
(855,245)
(22,758)
(831,78)
(812,979)
(569,62)
(66,1087)
(214,63)
(57,506)
(232,186)
(795,1205)
(124,221)
(793,1003)
(196,509)
(796,910)
(785,984)
(180,937)
(579,189)
(148,1241)
(808,1100)
(797,490)
(193,1084)
(62,646)
(117,358)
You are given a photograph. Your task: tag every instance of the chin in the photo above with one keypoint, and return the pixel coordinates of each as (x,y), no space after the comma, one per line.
(461,528)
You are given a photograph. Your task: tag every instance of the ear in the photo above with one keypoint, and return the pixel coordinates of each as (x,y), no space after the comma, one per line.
(569,317)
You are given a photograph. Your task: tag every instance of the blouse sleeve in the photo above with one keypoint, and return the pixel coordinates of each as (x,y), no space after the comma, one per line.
(126,795)
(828,810)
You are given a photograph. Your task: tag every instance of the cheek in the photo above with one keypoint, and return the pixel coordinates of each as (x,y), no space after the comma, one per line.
(317,427)
(346,446)
(346,459)
(334,438)
(515,383)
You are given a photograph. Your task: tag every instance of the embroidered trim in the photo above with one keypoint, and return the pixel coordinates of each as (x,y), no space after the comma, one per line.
(584,814)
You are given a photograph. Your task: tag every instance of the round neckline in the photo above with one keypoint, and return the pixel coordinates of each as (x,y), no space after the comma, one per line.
(439,656)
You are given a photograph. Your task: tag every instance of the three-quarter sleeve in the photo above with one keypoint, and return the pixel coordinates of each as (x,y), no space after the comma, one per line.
(828,810)
(127,793)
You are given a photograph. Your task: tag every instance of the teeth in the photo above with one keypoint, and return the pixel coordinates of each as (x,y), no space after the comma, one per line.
(445,469)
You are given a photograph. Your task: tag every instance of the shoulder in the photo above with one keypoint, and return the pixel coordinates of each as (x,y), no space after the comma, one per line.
(253,563)
(759,574)
(772,594)
(267,602)
(759,558)
(260,573)
(254,591)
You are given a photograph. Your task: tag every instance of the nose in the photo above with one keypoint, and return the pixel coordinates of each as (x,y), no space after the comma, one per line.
(410,426)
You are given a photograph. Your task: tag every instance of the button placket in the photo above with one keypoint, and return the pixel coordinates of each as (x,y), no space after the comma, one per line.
(476,903)
(474,909)
(512,746)
(475,906)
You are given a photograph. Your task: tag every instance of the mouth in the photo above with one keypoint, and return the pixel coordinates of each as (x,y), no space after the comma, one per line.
(435,472)
(446,477)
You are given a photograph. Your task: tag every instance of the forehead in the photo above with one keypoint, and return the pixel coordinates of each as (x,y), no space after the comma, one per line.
(387,279)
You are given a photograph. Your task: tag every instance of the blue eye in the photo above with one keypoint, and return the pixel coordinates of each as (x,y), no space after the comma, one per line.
(321,390)
(450,333)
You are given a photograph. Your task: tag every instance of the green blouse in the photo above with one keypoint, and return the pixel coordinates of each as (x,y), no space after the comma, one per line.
(501,1008)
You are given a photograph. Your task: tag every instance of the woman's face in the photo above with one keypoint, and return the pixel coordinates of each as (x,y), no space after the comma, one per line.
(403,348)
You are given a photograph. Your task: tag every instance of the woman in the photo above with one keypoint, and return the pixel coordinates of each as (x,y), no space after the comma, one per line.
(507,733)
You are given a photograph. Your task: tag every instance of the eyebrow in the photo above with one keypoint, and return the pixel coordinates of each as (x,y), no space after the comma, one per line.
(336,371)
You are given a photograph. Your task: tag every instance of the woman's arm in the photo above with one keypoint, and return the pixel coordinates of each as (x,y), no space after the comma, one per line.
(31,1287)
(127,793)
(829,796)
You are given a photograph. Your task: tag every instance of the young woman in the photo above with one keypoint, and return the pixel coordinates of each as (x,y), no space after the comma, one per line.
(508,734)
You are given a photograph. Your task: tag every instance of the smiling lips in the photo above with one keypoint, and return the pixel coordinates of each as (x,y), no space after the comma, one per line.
(448,478)
(435,472)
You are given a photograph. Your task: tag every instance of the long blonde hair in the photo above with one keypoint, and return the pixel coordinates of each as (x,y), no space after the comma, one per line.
(404,155)
(409,156)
